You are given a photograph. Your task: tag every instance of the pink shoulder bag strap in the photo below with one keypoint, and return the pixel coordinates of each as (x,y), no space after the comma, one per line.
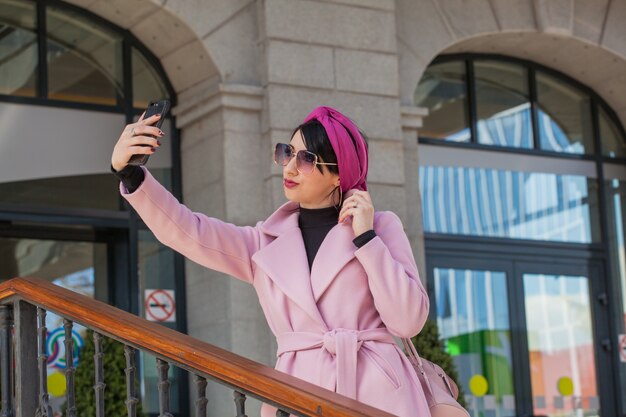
(440,390)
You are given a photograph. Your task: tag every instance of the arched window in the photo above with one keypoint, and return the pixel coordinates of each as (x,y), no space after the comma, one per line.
(69,82)
(86,59)
(522,174)
(486,104)
(503,102)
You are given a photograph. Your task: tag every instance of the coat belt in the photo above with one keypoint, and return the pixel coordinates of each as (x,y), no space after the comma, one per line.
(341,343)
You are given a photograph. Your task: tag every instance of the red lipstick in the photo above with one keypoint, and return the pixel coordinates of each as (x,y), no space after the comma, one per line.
(289,184)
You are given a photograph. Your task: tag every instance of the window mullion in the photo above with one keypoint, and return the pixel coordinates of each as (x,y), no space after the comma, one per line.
(471,100)
(127,79)
(534,115)
(42,49)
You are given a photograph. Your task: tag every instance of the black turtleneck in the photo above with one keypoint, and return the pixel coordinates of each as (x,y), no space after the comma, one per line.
(314,223)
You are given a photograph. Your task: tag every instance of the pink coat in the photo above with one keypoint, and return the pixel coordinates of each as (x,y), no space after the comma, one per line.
(333,324)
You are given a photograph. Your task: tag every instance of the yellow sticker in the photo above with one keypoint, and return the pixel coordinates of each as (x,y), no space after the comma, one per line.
(56,384)
(565,385)
(478,385)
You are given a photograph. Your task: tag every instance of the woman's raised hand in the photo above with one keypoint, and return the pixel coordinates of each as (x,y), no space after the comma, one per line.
(359,205)
(132,138)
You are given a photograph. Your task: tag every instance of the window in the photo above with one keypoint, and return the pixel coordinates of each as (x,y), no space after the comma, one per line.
(18,48)
(496,101)
(99,79)
(563,116)
(503,104)
(443,90)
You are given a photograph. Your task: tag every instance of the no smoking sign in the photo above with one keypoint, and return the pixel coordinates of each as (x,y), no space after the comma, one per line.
(160,305)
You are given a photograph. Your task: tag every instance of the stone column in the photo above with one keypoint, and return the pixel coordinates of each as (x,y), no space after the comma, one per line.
(414,225)
(222,162)
(342,54)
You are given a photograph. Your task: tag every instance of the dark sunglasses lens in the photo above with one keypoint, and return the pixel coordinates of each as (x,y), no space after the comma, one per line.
(282,153)
(305,161)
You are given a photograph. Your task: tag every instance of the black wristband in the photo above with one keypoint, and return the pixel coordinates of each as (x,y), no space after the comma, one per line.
(131,176)
(363,238)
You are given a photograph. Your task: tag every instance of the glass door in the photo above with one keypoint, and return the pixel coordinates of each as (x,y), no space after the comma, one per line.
(473,314)
(566,322)
(528,339)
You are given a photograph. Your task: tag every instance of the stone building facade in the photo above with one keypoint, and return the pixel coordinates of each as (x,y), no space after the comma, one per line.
(246,72)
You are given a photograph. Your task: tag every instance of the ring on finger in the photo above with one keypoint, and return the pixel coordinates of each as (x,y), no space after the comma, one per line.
(132,131)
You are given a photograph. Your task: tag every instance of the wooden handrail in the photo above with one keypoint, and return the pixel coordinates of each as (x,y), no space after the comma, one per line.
(277,388)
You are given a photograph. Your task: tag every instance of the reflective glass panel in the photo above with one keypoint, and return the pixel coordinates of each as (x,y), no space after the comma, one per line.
(84,191)
(147,84)
(51,156)
(443,91)
(502,104)
(512,204)
(616,206)
(560,345)
(77,266)
(611,138)
(84,59)
(18,48)
(157,303)
(564,116)
(473,321)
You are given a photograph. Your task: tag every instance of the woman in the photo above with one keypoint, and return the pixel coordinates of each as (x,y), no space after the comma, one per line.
(334,278)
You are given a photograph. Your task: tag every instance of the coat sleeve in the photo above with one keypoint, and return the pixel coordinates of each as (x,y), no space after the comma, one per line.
(205,240)
(399,296)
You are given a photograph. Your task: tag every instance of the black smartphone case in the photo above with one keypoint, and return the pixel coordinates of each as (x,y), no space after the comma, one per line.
(156,107)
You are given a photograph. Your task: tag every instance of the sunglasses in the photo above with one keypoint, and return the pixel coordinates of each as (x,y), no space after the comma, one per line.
(305,160)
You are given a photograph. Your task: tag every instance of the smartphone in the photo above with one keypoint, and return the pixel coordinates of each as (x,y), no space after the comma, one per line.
(155,107)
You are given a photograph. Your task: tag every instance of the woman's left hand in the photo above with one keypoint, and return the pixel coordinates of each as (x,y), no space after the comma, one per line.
(362,214)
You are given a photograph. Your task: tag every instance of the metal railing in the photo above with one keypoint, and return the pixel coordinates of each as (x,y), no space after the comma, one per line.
(24,303)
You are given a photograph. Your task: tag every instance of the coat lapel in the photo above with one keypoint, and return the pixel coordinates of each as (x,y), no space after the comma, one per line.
(336,250)
(334,253)
(285,261)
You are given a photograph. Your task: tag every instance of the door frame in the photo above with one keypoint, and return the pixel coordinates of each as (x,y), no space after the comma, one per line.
(515,258)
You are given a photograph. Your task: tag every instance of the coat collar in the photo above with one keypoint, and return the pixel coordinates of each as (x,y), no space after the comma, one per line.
(285,262)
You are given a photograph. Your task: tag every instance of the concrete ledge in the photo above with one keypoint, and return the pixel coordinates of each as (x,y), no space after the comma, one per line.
(412,117)
(210,96)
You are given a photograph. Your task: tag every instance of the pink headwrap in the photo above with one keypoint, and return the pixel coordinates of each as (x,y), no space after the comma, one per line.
(351,159)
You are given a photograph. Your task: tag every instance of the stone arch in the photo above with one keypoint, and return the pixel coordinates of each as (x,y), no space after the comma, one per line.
(584,41)
(193,44)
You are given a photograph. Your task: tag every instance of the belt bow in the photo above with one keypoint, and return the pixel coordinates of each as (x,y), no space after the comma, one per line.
(343,344)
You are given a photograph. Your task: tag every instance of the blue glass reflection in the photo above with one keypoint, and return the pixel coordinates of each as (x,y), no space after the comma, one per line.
(497,203)
(554,138)
(512,128)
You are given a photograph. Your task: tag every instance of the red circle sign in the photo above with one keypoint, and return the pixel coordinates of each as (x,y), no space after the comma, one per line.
(160,305)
